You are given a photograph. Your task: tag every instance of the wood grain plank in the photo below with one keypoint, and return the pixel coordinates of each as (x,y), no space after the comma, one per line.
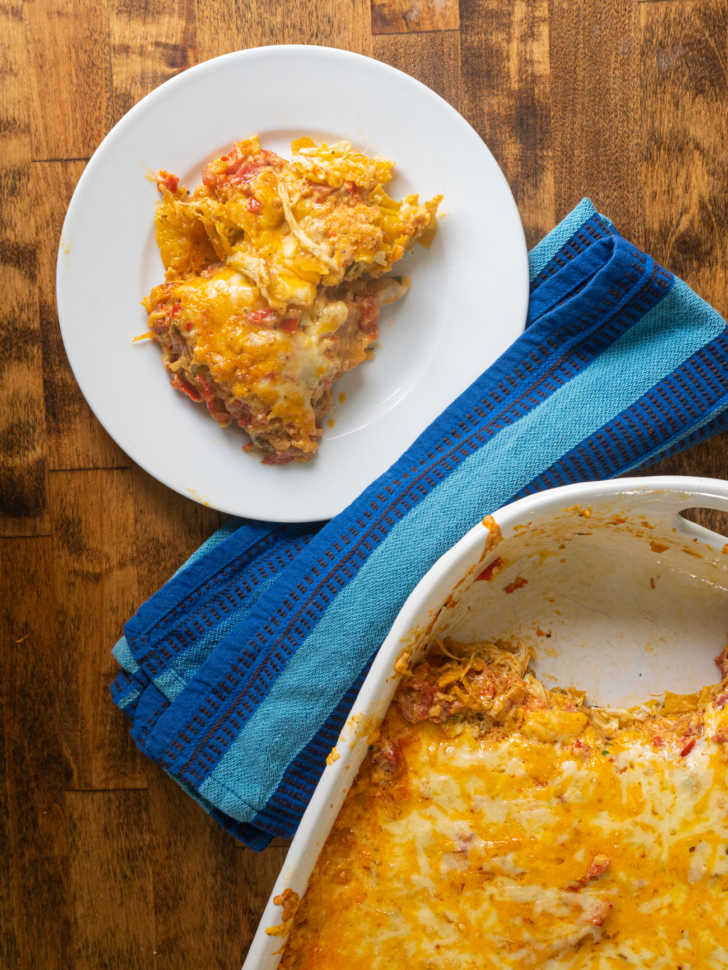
(209,890)
(95,584)
(151,40)
(684,53)
(69,79)
(684,159)
(105,879)
(433,59)
(22,418)
(74,438)
(168,529)
(161,531)
(9,943)
(223,27)
(595,109)
(257,873)
(409,16)
(203,878)
(506,79)
(36,766)
(110,881)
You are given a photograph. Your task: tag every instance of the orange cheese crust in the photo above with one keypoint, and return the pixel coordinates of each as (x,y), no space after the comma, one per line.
(274,283)
(498,824)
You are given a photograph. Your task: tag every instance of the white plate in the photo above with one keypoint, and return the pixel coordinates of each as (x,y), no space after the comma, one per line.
(467,303)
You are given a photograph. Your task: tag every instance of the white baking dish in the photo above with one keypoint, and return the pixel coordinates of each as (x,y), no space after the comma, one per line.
(624,598)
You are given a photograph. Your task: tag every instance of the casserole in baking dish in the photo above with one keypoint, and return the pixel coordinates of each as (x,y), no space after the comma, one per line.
(503,817)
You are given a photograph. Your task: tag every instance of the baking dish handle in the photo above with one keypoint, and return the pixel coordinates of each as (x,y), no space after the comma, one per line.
(667,505)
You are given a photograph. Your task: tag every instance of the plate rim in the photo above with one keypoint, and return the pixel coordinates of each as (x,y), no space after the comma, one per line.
(160,92)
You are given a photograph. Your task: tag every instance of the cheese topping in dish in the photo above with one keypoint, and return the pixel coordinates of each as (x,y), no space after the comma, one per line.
(498,824)
(274,283)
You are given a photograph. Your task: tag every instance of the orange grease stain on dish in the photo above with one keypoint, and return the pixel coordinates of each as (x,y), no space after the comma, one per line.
(692,552)
(490,570)
(517,583)
(359,726)
(342,397)
(658,546)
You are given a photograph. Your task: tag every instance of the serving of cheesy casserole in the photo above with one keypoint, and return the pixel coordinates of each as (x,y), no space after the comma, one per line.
(496,823)
(275,276)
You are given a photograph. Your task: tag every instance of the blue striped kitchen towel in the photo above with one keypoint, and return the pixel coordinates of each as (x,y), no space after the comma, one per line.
(239,673)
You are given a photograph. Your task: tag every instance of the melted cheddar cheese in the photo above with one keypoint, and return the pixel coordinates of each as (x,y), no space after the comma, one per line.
(292,227)
(496,824)
(273,282)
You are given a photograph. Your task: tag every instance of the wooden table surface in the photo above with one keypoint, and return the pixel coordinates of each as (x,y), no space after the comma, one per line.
(106,863)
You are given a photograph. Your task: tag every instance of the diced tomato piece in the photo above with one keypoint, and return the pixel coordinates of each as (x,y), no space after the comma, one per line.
(246,171)
(289,324)
(217,172)
(208,394)
(265,316)
(180,384)
(165,180)
(417,702)
(687,748)
(236,168)
(581,748)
